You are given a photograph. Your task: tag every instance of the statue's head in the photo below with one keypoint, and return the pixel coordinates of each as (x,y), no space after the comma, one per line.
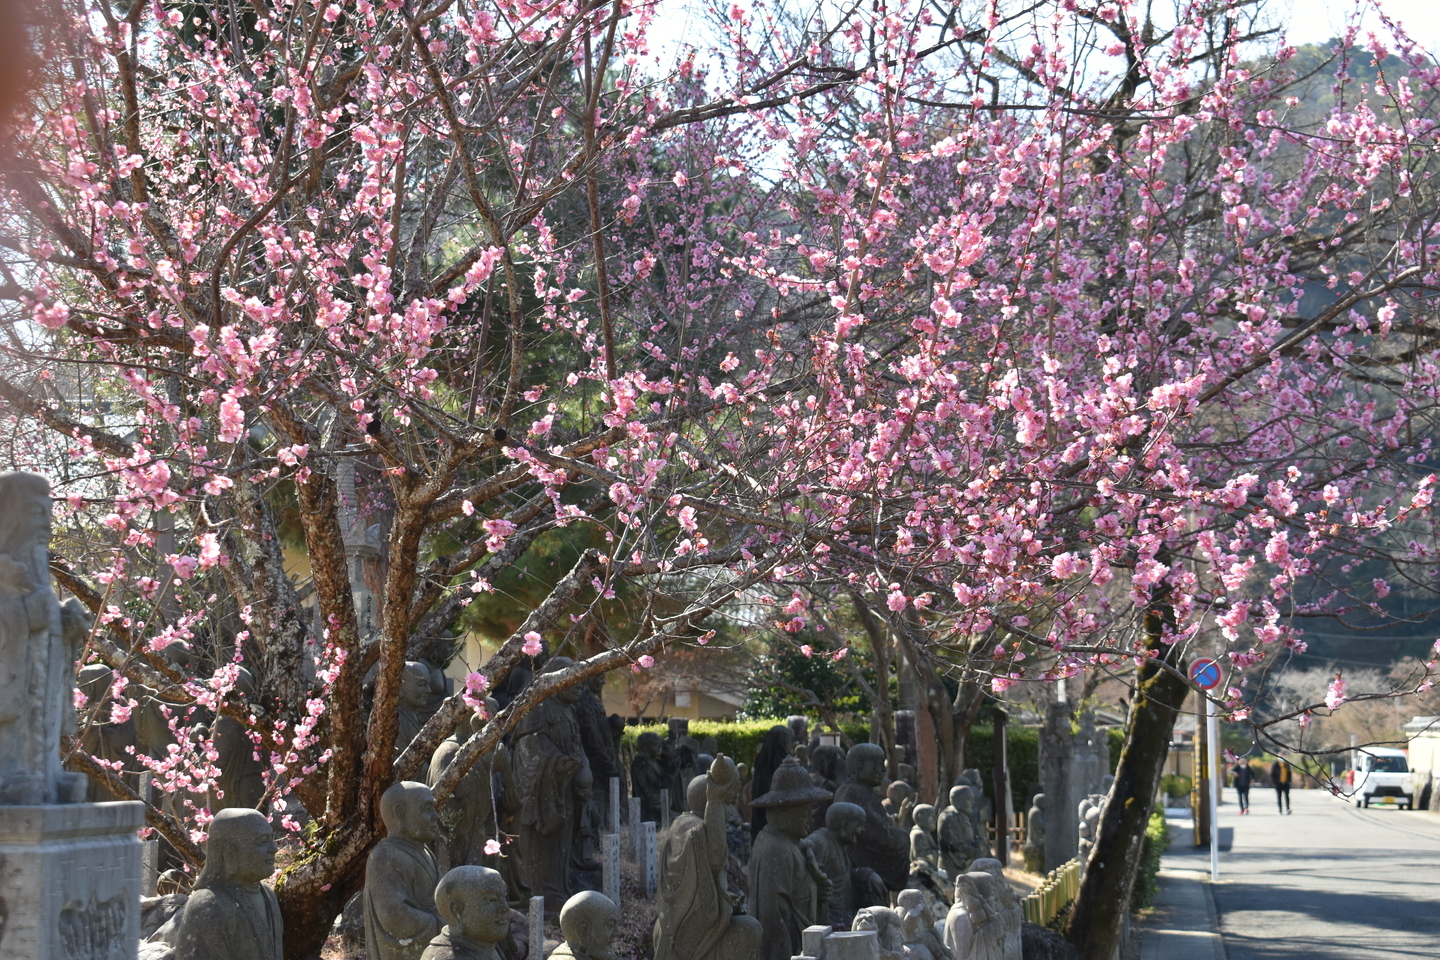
(788,804)
(94,680)
(588,923)
(898,792)
(962,798)
(25,521)
(866,763)
(911,903)
(415,685)
(967,893)
(695,794)
(177,652)
(584,783)
(826,761)
(1038,802)
(570,694)
(472,902)
(845,820)
(991,866)
(596,684)
(408,809)
(926,817)
(799,728)
(240,848)
(649,743)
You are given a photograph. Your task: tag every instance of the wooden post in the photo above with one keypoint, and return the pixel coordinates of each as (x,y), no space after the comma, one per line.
(1000,781)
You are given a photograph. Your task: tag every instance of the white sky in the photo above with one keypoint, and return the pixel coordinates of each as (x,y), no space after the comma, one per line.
(1310,21)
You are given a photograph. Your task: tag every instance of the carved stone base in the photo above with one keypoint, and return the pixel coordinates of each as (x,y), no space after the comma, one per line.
(70,881)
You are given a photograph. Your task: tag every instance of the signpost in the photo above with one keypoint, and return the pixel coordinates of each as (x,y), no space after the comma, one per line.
(1205,673)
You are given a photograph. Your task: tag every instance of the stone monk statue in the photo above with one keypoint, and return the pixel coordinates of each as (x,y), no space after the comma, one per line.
(400,876)
(697,918)
(786,884)
(232,915)
(472,902)
(587,922)
(882,847)
(39,642)
(547,755)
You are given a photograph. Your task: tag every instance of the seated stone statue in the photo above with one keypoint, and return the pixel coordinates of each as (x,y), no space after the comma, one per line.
(587,921)
(697,918)
(471,901)
(232,915)
(923,845)
(881,846)
(785,883)
(899,799)
(921,943)
(851,887)
(889,930)
(958,846)
(648,775)
(400,876)
(1033,850)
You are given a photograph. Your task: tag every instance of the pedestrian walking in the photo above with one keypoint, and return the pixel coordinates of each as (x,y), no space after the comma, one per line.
(1280,779)
(1242,777)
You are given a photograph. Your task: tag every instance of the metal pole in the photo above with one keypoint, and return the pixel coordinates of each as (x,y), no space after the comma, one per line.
(1212,728)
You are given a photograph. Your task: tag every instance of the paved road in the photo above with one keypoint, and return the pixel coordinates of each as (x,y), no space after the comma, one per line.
(1328,882)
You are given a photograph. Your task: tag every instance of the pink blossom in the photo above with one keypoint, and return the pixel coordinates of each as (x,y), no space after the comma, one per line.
(533,646)
(1335,694)
(492,847)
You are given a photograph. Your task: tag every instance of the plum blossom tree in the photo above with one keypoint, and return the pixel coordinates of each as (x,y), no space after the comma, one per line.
(1040,338)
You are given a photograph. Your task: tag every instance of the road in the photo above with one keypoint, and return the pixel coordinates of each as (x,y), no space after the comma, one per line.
(1328,882)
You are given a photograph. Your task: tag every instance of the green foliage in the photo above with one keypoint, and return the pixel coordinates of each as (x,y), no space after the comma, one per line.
(1115,739)
(783,678)
(1157,838)
(1176,785)
(738,739)
(1023,753)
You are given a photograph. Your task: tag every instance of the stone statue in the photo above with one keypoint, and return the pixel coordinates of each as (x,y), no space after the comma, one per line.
(648,775)
(1005,903)
(414,709)
(232,915)
(889,930)
(686,768)
(918,930)
(103,740)
(153,735)
(242,778)
(696,915)
(851,887)
(774,749)
(936,888)
(958,845)
(983,811)
(881,847)
(400,876)
(923,845)
(899,802)
(39,644)
(785,883)
(471,901)
(972,929)
(595,737)
(587,921)
(799,729)
(1089,811)
(585,872)
(547,756)
(1033,850)
(467,817)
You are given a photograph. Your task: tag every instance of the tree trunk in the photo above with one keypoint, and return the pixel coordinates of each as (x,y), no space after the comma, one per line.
(1098,915)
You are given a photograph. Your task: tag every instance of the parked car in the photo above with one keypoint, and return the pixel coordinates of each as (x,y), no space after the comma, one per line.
(1383,776)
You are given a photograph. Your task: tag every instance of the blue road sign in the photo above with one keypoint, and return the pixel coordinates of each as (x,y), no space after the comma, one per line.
(1206,673)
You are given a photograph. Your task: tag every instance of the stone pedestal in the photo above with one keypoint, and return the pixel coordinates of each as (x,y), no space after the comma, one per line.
(70,881)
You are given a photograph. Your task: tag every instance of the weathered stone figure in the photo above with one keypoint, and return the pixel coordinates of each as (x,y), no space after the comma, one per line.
(982,812)
(923,845)
(101,738)
(899,802)
(648,775)
(547,755)
(851,887)
(467,817)
(785,884)
(1033,850)
(972,930)
(1005,903)
(152,727)
(599,744)
(232,915)
(958,845)
(39,643)
(881,847)
(242,780)
(697,919)
(471,901)
(414,709)
(587,921)
(1089,812)
(400,876)
(774,750)
(921,943)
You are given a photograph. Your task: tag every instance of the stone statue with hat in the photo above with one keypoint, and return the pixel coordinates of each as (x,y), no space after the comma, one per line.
(786,884)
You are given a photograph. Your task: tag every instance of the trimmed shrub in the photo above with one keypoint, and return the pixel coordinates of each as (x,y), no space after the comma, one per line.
(1157,838)
(738,739)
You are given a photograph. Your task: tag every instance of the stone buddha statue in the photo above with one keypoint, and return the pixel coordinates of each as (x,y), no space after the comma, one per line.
(471,901)
(400,876)
(587,921)
(232,915)
(786,884)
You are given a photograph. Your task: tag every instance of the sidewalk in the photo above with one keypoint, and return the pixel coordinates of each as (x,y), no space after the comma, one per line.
(1184,925)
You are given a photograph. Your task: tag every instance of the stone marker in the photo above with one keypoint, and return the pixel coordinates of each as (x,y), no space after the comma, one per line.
(664,809)
(150,855)
(611,862)
(852,945)
(537,928)
(400,876)
(70,872)
(588,922)
(634,827)
(614,808)
(648,856)
(812,940)
(231,915)
(471,901)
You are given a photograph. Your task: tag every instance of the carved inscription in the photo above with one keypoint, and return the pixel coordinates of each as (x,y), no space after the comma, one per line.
(94,930)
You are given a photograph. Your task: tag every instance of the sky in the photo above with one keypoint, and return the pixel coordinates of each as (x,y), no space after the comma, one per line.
(1309,21)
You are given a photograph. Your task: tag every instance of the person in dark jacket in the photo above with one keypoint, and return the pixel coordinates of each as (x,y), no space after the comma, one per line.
(773,750)
(1242,777)
(1280,780)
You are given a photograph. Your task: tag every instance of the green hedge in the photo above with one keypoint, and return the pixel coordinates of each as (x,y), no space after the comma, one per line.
(1157,838)
(738,739)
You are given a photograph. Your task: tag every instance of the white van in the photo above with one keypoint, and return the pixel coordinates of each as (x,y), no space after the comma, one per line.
(1383,777)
